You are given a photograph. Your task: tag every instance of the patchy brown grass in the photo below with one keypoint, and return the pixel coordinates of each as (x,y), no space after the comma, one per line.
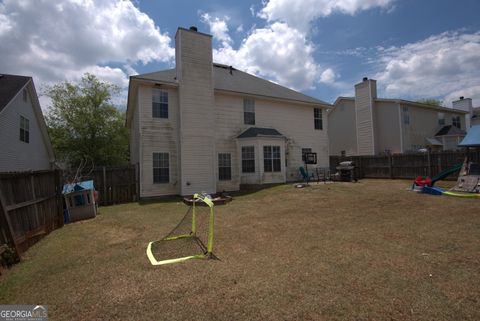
(343,251)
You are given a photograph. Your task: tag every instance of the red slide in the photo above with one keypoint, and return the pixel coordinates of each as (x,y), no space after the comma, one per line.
(423,181)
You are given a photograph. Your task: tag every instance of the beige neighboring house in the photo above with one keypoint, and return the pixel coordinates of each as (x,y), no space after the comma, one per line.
(207,127)
(368,125)
(24,141)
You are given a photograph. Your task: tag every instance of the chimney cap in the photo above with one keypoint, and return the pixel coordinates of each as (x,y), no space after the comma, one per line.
(365,78)
(193,28)
(462,98)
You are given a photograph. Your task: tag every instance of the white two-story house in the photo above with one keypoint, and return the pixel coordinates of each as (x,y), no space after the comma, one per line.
(24,141)
(206,127)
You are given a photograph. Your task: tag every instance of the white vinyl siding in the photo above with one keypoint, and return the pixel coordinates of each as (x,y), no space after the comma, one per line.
(15,154)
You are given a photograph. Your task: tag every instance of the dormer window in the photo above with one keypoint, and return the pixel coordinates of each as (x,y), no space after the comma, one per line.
(249,111)
(159,103)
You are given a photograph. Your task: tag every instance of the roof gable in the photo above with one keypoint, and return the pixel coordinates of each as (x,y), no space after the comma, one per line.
(450,130)
(10,85)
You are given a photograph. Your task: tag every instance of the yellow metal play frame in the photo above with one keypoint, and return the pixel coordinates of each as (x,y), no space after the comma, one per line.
(207,254)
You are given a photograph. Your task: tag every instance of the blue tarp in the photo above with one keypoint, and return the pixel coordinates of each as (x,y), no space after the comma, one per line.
(68,188)
(473,137)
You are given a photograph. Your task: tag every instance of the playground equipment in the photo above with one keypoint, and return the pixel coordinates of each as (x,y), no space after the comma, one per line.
(468,182)
(427,181)
(187,240)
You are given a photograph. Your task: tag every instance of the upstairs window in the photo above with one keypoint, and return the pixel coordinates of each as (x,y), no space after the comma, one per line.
(456,122)
(317,118)
(406,116)
(24,129)
(249,111)
(271,159)
(224,167)
(161,168)
(441,119)
(25,95)
(159,103)
(248,159)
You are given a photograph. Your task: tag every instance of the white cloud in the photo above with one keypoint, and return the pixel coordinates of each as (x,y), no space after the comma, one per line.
(55,41)
(277,52)
(298,14)
(218,28)
(444,66)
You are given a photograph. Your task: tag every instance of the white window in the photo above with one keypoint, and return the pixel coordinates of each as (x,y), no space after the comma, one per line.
(159,103)
(24,129)
(161,168)
(317,118)
(224,167)
(456,122)
(248,159)
(271,159)
(249,111)
(406,116)
(441,119)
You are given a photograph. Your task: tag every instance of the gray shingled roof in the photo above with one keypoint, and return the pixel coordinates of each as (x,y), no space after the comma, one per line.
(231,79)
(9,87)
(257,131)
(449,130)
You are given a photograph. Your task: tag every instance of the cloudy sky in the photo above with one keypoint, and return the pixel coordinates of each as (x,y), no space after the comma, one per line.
(415,49)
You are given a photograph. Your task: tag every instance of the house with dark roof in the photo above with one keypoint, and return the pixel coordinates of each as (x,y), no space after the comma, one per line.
(208,127)
(369,125)
(24,141)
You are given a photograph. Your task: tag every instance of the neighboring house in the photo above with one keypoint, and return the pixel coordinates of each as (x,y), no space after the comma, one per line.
(207,127)
(476,116)
(368,125)
(24,141)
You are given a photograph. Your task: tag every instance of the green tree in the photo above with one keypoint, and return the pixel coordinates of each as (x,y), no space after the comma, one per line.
(84,124)
(430,101)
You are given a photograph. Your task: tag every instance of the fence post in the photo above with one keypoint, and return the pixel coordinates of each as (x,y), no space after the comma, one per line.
(104,185)
(390,166)
(429,163)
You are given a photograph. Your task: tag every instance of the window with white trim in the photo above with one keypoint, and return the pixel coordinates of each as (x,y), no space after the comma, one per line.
(317,118)
(271,159)
(24,129)
(159,103)
(441,119)
(406,116)
(161,168)
(248,159)
(456,122)
(249,111)
(224,166)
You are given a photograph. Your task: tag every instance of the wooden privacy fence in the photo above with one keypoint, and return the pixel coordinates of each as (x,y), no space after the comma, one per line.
(406,166)
(31,203)
(30,207)
(115,185)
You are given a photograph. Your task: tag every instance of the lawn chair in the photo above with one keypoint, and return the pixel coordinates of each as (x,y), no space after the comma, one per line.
(305,175)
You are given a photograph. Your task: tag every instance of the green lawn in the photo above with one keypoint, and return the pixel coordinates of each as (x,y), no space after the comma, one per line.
(342,251)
